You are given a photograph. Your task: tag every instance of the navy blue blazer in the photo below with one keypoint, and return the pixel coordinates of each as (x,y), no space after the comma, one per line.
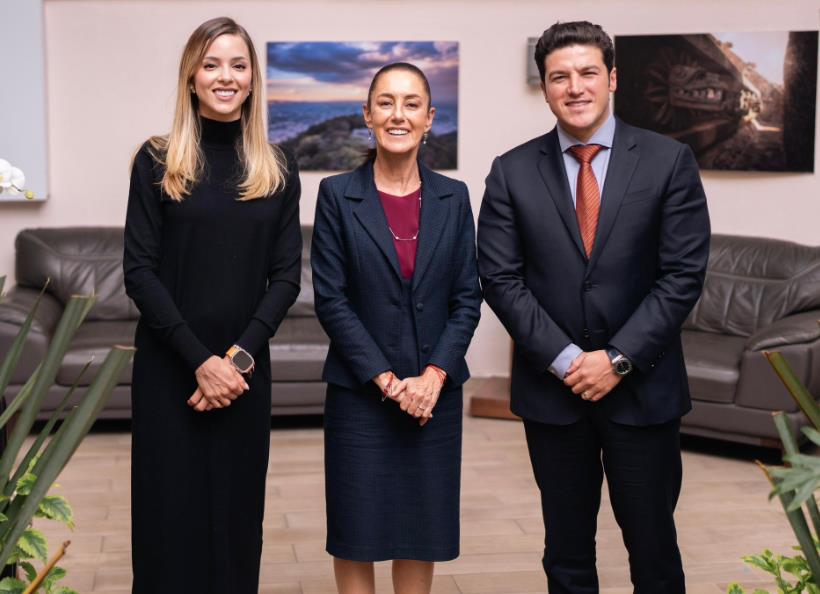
(357,283)
(643,277)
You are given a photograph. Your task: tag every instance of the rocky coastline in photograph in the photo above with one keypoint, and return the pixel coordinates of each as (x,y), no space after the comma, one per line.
(340,144)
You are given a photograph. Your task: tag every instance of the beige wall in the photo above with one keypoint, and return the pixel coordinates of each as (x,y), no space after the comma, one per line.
(111,71)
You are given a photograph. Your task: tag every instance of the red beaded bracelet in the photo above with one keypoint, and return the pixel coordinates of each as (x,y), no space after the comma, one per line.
(442,375)
(386,389)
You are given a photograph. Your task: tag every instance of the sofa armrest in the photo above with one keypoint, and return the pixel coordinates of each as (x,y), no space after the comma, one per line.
(797,329)
(16,305)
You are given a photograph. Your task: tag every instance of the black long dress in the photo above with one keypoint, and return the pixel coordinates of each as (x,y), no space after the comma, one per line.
(205,273)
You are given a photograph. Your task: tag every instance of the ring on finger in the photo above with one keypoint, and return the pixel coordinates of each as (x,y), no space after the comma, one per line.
(585,395)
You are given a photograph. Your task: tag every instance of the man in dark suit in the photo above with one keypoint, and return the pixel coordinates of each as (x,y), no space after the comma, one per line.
(592,248)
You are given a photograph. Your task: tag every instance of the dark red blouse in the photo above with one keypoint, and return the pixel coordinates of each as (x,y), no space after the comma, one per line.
(403,219)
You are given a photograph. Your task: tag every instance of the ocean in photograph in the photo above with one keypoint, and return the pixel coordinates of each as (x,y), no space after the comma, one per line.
(287,120)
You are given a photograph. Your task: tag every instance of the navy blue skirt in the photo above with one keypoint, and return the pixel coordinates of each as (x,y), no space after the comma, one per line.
(391,487)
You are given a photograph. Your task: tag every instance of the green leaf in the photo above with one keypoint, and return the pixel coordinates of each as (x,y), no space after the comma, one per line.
(761,562)
(33,455)
(25,483)
(64,444)
(65,590)
(12,585)
(21,398)
(34,543)
(802,494)
(19,555)
(3,517)
(795,566)
(53,576)
(57,508)
(31,572)
(813,434)
(795,387)
(734,589)
(10,360)
(73,314)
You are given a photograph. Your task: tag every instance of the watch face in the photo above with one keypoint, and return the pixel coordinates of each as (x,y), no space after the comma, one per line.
(243,361)
(623,367)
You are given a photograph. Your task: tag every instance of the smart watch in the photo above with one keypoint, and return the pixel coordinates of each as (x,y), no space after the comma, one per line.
(620,364)
(241,359)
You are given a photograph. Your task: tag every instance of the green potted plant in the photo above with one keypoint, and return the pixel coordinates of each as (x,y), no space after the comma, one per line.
(794,485)
(27,473)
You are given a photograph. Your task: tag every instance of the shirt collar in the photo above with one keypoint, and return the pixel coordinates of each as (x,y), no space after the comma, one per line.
(603,136)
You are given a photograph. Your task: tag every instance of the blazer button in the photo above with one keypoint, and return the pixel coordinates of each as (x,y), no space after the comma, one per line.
(419,306)
(425,348)
(587,286)
(586,333)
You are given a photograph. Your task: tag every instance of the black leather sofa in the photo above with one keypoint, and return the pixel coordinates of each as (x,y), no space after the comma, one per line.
(85,260)
(760,295)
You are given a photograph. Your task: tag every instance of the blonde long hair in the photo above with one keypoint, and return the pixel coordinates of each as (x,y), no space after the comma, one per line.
(180,153)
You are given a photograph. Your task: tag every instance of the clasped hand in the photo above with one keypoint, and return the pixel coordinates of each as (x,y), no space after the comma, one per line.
(219,384)
(417,396)
(591,376)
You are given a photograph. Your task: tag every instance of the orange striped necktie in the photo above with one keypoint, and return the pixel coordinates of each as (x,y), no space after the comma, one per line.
(587,194)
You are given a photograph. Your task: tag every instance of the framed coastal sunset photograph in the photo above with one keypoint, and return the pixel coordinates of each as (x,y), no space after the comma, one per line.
(316,89)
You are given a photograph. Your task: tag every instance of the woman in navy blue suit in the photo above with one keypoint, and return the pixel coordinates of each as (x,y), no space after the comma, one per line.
(396,288)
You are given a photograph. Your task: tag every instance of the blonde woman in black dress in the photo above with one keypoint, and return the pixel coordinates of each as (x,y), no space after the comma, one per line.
(212,261)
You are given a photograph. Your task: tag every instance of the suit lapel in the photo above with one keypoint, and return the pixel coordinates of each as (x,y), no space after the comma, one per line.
(434,213)
(622,163)
(370,213)
(552,170)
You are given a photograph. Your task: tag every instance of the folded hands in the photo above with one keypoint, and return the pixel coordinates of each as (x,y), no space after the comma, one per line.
(418,395)
(591,376)
(218,384)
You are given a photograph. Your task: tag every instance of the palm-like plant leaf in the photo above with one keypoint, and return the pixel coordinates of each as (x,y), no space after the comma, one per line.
(791,449)
(73,315)
(799,525)
(795,387)
(21,398)
(62,446)
(44,433)
(9,364)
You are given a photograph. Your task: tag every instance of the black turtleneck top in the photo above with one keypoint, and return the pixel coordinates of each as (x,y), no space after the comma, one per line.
(210,271)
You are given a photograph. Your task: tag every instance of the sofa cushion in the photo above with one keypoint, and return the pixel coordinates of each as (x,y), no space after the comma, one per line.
(298,351)
(713,364)
(303,307)
(92,341)
(78,261)
(752,282)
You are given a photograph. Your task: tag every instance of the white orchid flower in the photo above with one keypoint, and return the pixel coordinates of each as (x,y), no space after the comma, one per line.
(5,175)
(18,180)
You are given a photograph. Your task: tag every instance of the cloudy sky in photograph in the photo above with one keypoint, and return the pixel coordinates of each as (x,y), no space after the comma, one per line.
(341,71)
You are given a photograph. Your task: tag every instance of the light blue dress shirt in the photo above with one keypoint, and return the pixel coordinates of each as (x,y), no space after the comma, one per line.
(603,136)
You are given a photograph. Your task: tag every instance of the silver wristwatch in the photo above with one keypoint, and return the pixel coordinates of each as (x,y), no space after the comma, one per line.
(621,365)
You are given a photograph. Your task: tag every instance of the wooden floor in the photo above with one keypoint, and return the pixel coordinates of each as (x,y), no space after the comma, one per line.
(723,514)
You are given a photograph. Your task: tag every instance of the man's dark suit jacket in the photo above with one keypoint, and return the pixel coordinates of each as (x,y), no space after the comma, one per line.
(645,273)
(358,284)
